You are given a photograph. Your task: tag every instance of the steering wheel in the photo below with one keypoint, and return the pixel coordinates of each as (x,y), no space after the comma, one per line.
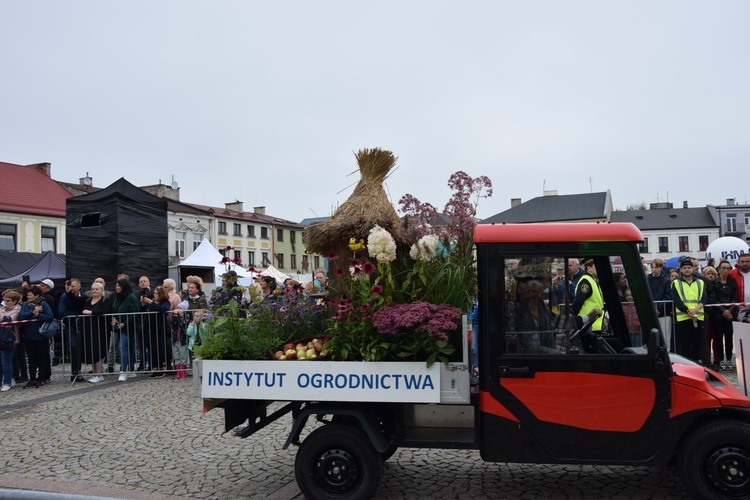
(592,343)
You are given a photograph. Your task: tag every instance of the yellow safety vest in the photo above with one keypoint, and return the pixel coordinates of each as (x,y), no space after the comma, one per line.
(595,301)
(690,296)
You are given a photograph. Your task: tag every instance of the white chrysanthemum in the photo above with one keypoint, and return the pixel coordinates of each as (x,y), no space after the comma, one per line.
(428,247)
(380,245)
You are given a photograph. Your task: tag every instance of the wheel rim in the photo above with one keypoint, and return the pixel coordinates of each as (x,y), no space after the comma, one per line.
(728,470)
(337,471)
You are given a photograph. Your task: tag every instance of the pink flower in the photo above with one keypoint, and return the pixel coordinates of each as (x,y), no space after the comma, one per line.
(339,272)
(368,267)
(377,290)
(332,256)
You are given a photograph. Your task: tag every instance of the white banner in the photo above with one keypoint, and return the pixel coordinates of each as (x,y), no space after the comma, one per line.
(385,382)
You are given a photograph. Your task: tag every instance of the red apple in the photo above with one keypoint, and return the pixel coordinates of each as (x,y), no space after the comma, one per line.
(288,346)
(291,354)
(317,346)
(278,354)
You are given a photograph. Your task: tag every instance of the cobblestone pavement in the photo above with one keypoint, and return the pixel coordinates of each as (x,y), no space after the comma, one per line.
(148,438)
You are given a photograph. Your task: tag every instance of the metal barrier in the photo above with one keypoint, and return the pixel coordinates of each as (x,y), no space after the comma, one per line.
(129,344)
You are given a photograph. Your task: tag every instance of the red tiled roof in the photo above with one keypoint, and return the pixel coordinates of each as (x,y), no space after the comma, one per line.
(28,190)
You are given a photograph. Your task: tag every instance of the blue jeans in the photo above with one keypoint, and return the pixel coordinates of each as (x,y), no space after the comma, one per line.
(127,352)
(6,362)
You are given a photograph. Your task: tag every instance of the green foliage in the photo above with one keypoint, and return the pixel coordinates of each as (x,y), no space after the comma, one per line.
(253,333)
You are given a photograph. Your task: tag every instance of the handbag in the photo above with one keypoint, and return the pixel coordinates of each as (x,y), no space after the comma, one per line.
(7,334)
(49,329)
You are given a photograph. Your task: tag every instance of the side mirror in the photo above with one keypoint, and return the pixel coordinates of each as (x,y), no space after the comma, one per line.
(655,340)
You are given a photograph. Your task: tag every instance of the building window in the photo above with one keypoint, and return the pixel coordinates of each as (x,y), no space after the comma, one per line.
(251,258)
(264,233)
(49,239)
(197,238)
(731,223)
(237,229)
(305,262)
(684,243)
(643,247)
(293,261)
(280,260)
(293,237)
(238,255)
(179,244)
(250,231)
(663,244)
(279,235)
(222,227)
(703,243)
(264,259)
(747,221)
(316,259)
(8,237)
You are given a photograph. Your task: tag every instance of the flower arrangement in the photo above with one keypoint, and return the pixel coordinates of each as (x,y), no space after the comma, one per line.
(409,307)
(234,332)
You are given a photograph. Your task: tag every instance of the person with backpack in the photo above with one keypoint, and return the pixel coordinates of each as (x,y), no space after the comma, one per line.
(9,337)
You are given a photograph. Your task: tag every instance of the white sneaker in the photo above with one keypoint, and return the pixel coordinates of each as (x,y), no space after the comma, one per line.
(730,365)
(123,377)
(12,382)
(96,380)
(4,388)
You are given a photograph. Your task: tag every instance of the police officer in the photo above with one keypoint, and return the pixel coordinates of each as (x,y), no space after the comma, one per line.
(689,296)
(588,295)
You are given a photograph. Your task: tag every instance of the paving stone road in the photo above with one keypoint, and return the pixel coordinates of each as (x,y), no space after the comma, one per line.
(148,439)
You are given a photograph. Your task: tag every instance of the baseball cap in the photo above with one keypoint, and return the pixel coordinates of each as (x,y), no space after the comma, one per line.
(47,282)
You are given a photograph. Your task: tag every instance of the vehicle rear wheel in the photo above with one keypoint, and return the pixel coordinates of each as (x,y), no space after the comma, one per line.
(337,461)
(715,460)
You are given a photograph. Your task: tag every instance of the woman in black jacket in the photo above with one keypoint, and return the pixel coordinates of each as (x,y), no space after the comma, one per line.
(723,290)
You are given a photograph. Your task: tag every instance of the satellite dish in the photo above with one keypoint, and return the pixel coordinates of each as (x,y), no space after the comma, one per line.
(174,185)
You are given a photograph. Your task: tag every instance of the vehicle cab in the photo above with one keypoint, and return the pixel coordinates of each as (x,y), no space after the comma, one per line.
(551,390)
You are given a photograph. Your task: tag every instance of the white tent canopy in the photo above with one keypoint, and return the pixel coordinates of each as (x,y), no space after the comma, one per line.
(206,256)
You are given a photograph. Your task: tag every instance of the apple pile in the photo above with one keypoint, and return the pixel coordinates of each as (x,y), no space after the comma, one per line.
(311,350)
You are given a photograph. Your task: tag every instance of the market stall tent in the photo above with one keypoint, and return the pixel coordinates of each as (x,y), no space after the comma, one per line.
(36,267)
(205,261)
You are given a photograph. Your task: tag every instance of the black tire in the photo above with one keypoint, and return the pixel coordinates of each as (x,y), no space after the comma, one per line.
(715,460)
(337,461)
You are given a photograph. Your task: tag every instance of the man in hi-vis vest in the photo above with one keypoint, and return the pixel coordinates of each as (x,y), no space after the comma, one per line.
(588,301)
(689,296)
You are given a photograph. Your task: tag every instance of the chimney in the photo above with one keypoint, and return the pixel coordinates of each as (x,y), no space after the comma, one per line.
(684,204)
(44,167)
(731,201)
(259,210)
(235,205)
(550,192)
(514,202)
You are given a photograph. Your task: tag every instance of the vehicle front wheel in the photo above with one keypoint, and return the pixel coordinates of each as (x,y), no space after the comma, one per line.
(337,461)
(715,460)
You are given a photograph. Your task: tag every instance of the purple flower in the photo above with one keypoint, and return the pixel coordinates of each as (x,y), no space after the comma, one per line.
(368,267)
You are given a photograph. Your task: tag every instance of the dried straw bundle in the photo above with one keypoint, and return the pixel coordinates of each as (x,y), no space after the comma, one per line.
(367,206)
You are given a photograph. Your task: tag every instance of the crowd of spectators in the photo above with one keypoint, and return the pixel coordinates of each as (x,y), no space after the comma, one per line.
(146,330)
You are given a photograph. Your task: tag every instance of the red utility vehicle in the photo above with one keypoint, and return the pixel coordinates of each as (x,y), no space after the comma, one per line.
(546,391)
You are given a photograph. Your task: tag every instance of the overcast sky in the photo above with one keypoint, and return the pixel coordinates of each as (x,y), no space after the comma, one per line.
(265,102)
